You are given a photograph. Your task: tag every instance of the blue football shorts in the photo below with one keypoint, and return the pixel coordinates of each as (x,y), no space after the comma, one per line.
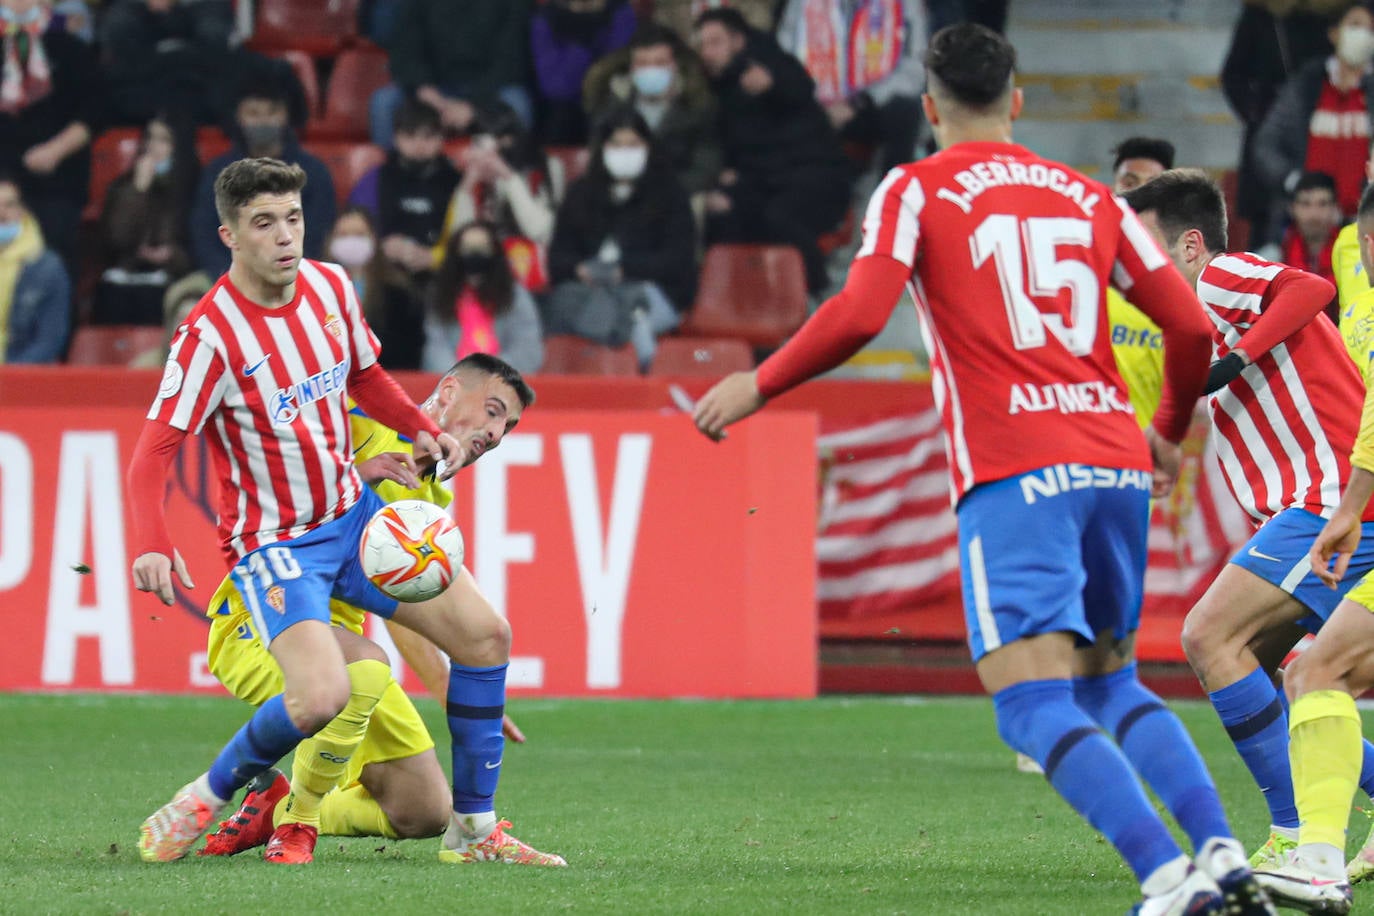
(293,580)
(1278,553)
(1059,549)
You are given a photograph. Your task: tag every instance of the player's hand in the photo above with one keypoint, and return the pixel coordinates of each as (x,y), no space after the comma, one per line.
(511,730)
(731,399)
(153,573)
(1167,457)
(394,466)
(1339,538)
(445,451)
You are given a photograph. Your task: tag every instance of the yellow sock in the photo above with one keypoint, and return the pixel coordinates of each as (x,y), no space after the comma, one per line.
(322,759)
(354,812)
(1325,751)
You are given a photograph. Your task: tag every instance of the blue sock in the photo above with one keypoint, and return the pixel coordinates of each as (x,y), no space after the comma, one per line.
(1159,747)
(476,703)
(265,739)
(1255,717)
(1039,719)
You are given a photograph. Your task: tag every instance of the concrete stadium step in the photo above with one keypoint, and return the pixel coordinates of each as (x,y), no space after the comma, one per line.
(1123,97)
(1215,147)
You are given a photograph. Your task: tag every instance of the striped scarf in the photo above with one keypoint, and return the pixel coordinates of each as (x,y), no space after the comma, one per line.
(25,77)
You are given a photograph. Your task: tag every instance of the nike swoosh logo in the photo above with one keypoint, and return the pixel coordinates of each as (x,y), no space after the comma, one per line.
(491,766)
(1262,556)
(249,370)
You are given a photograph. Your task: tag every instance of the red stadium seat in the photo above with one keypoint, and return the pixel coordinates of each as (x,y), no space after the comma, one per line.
(112,153)
(358,72)
(711,356)
(565,354)
(113,345)
(320,28)
(211,143)
(347,162)
(303,65)
(753,292)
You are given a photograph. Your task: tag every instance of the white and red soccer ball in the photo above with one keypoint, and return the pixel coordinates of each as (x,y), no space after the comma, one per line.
(411,549)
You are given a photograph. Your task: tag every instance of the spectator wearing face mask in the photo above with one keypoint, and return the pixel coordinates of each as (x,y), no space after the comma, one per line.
(35,291)
(566,38)
(477,307)
(509,183)
(391,303)
(143,225)
(1320,121)
(408,194)
(623,256)
(663,80)
(261,128)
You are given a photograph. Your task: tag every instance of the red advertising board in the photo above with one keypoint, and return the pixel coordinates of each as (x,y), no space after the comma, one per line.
(633,557)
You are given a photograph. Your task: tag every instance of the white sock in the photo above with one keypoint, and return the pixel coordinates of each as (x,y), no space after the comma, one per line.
(1165,878)
(202,790)
(1288,833)
(1220,856)
(1322,859)
(469,827)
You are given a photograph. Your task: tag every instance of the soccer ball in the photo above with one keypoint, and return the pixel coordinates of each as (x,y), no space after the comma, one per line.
(411,549)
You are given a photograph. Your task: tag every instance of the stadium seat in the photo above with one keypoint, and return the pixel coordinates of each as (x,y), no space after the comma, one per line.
(113,345)
(303,65)
(565,354)
(346,161)
(112,153)
(319,29)
(712,356)
(211,143)
(753,292)
(358,72)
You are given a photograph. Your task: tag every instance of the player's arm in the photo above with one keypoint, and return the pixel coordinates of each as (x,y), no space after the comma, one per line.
(1291,301)
(155,557)
(1340,536)
(839,329)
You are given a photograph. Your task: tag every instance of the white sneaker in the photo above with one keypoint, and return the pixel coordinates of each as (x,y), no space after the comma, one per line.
(1196,895)
(1224,860)
(1295,886)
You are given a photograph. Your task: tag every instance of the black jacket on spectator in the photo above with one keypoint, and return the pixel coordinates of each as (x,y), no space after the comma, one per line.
(482,48)
(412,202)
(779,131)
(654,229)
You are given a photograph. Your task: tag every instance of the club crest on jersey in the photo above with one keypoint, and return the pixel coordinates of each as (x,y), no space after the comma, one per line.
(334,326)
(287,402)
(276,597)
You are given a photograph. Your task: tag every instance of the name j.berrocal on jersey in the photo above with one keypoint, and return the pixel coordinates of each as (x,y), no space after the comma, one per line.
(984,176)
(287,402)
(1067,397)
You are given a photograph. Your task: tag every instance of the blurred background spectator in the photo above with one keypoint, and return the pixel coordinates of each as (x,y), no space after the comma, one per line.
(408,194)
(681,15)
(566,37)
(50,108)
(144,226)
(75,17)
(458,64)
(177,302)
(1320,120)
(391,301)
(477,307)
(865,58)
(662,79)
(35,292)
(1314,222)
(786,179)
(623,256)
(261,128)
(1138,159)
(509,183)
(165,54)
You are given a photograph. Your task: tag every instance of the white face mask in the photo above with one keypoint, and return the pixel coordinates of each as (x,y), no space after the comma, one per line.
(352,250)
(625,163)
(1355,45)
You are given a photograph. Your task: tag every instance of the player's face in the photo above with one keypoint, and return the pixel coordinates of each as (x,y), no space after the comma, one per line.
(477,410)
(267,238)
(1132,173)
(1176,251)
(1315,214)
(717,46)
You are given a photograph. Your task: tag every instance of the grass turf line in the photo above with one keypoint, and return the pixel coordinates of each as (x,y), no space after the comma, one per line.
(830,806)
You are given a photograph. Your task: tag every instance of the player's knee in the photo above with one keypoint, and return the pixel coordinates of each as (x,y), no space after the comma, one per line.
(1198,638)
(420,814)
(315,707)
(487,644)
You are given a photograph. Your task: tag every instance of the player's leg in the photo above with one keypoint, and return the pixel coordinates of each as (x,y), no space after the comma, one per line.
(1022,578)
(477,640)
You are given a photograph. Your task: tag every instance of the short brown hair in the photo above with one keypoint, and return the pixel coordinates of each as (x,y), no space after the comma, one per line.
(1183,199)
(245,179)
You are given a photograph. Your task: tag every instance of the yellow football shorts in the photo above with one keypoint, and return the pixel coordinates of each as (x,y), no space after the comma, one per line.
(244,666)
(1363,592)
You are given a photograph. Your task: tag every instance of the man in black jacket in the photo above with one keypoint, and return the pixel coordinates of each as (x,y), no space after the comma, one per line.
(786,178)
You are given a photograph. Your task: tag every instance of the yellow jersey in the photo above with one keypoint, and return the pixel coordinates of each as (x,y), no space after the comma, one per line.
(1357,326)
(1138,346)
(1351,279)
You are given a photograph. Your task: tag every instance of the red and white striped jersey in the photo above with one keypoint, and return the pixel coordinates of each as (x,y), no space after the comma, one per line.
(1011,256)
(1284,429)
(270,388)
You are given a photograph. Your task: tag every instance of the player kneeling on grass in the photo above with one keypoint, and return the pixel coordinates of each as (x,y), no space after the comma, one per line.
(393,785)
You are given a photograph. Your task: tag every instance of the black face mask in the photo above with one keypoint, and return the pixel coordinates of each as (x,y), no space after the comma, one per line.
(476,263)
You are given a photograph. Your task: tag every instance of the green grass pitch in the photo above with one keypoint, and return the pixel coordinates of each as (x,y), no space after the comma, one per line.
(830,806)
